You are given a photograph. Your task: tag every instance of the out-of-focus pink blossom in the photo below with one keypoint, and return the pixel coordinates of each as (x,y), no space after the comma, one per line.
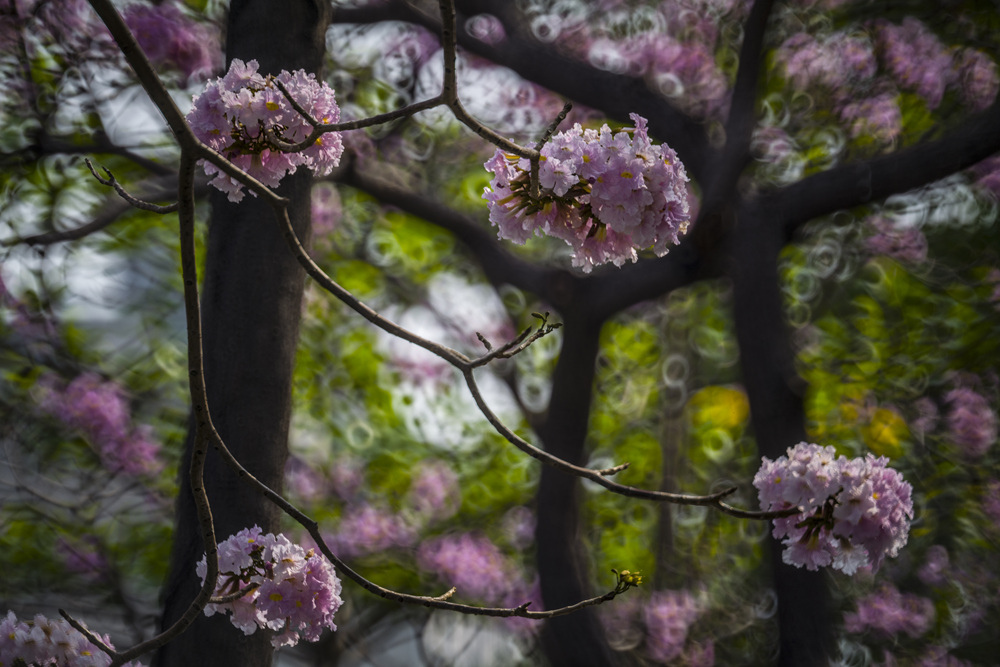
(605,194)
(668,616)
(366,530)
(294,592)
(471,563)
(853,512)
(986,175)
(889,613)
(971,422)
(907,245)
(978,78)
(835,63)
(877,117)
(434,491)
(170,38)
(346,477)
(519,526)
(98,409)
(917,59)
(82,556)
(327,210)
(304,480)
(934,571)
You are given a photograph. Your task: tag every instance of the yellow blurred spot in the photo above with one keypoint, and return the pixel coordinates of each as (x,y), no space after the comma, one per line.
(885,433)
(276,597)
(271,106)
(719,407)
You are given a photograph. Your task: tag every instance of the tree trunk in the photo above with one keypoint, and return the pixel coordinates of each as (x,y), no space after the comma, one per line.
(775,393)
(251,306)
(576,639)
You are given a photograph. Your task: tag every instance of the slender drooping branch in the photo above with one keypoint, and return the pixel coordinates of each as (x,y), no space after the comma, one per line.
(204,430)
(466,366)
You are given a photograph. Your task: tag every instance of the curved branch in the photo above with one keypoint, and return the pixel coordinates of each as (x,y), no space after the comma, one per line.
(435,602)
(467,365)
(600,477)
(499,264)
(858,183)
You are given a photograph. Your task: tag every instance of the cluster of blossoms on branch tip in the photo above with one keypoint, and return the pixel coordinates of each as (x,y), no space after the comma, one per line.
(237,113)
(852,512)
(291,591)
(606,194)
(44,642)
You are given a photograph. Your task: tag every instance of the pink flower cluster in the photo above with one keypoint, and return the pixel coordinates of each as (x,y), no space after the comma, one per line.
(852,512)
(289,590)
(904,244)
(604,193)
(890,613)
(168,37)
(236,112)
(366,529)
(471,563)
(668,616)
(46,642)
(434,491)
(971,423)
(100,411)
(917,59)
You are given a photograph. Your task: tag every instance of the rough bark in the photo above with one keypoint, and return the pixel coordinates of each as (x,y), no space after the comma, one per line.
(251,305)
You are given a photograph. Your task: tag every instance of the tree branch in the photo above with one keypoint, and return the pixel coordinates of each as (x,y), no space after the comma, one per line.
(858,183)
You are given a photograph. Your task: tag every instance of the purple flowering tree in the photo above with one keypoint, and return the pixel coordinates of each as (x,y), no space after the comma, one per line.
(734,130)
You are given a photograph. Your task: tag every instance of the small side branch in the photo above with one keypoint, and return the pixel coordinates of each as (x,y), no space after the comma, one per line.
(111,181)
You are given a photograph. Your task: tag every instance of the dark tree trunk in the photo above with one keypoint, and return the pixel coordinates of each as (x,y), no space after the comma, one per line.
(775,392)
(251,306)
(576,639)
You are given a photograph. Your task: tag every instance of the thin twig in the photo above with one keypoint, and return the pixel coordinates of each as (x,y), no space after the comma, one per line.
(124,194)
(553,126)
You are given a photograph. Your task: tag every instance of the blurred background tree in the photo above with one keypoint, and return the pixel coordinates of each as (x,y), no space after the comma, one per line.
(840,284)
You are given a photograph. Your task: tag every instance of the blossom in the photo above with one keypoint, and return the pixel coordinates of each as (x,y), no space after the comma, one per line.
(289,590)
(971,422)
(934,571)
(168,37)
(236,112)
(42,641)
(907,245)
(889,613)
(434,490)
(668,616)
(877,117)
(917,59)
(99,410)
(979,79)
(606,194)
(471,563)
(366,529)
(327,210)
(852,512)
